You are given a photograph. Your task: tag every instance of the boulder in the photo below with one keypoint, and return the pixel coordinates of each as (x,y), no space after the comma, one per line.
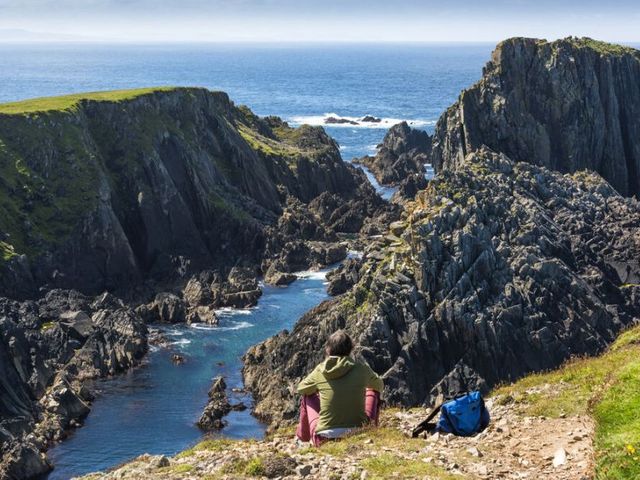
(279,279)
(165,308)
(339,121)
(344,277)
(196,293)
(202,315)
(22,461)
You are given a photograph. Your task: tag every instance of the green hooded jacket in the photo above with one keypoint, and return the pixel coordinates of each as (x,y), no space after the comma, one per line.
(341,383)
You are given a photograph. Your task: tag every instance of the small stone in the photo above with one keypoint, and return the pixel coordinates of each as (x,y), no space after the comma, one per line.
(560,457)
(303,470)
(473,451)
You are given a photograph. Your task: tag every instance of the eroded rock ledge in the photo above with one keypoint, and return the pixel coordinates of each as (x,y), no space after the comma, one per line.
(500,268)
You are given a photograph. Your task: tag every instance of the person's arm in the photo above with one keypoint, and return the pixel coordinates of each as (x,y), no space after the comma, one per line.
(374,381)
(309,385)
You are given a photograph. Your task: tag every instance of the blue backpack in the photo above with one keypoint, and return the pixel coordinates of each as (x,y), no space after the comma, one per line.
(464,416)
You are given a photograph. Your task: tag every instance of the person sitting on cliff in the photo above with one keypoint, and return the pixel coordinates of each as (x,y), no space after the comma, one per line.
(339,395)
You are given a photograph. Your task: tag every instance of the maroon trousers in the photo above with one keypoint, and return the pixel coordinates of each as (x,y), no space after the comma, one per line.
(310,413)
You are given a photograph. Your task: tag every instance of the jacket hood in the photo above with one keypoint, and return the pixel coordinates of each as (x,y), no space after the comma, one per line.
(336,367)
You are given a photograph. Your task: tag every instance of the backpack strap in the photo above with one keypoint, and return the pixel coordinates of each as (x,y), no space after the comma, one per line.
(425,425)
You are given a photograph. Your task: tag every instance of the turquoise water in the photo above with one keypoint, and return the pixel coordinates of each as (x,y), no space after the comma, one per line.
(153,409)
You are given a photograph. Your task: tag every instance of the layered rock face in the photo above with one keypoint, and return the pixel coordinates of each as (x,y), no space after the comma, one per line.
(567,105)
(403,152)
(498,269)
(107,194)
(48,349)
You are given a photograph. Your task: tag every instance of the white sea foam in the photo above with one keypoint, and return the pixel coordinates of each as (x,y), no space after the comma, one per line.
(236,326)
(229,311)
(354,254)
(383,123)
(182,341)
(312,274)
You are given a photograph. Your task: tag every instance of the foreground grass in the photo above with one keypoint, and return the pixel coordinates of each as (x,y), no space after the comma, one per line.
(606,388)
(68,102)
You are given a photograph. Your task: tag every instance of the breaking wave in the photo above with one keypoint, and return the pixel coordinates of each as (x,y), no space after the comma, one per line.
(356,122)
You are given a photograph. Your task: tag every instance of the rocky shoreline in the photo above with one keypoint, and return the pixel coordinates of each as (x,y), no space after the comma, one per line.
(50,349)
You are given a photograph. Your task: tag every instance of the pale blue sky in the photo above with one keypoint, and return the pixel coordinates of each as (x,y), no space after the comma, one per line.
(329,20)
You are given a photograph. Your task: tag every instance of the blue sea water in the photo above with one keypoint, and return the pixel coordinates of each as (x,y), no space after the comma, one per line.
(153,408)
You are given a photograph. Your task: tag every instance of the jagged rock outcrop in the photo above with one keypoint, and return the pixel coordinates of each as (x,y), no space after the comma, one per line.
(500,268)
(403,151)
(217,407)
(48,349)
(567,105)
(158,184)
(344,277)
(409,187)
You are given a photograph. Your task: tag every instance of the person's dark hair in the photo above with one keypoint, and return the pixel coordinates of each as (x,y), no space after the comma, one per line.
(339,344)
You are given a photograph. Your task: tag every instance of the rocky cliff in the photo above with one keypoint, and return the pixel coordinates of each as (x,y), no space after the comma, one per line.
(500,268)
(567,105)
(103,191)
(403,152)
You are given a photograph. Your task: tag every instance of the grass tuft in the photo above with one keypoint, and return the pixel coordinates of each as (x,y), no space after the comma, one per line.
(209,445)
(388,466)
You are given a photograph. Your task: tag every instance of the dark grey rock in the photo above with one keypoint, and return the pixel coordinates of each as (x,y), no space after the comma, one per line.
(217,407)
(403,152)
